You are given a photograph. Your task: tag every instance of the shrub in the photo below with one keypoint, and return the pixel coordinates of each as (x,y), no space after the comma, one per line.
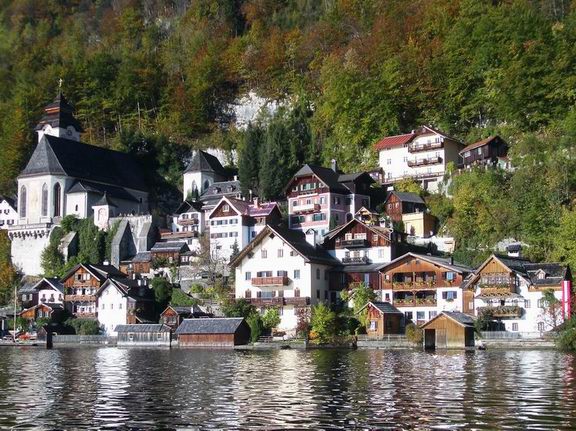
(566,339)
(256,327)
(414,334)
(84,326)
(271,318)
(324,323)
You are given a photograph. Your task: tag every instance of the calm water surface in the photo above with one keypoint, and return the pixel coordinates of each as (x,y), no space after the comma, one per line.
(113,388)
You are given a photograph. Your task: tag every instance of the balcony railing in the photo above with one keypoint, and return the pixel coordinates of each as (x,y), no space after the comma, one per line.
(187,221)
(265,301)
(424,162)
(496,290)
(413,285)
(414,148)
(512,311)
(306,208)
(270,281)
(85,315)
(354,243)
(355,260)
(79,298)
(303,300)
(415,302)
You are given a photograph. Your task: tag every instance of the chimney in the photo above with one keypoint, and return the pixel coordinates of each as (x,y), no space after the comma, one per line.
(334,165)
(106,262)
(451,260)
(311,237)
(235,177)
(256,202)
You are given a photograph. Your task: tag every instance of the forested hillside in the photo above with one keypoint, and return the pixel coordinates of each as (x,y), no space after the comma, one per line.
(161,77)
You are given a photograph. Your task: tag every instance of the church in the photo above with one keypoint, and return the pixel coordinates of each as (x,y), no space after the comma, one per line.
(66,177)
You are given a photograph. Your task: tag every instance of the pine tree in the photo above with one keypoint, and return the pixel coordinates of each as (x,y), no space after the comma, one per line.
(249,159)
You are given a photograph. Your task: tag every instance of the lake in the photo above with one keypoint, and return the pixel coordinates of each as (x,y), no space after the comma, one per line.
(114,388)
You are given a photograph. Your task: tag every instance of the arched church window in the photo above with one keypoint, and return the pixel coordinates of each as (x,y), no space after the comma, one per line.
(44,200)
(22,203)
(206,184)
(57,200)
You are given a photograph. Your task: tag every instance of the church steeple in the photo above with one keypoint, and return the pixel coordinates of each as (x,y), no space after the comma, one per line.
(58,120)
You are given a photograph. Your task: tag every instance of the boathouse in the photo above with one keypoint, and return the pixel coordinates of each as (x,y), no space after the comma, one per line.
(449,330)
(383,319)
(213,332)
(154,334)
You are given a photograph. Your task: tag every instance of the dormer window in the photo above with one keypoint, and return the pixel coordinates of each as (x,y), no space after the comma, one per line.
(541,274)
(226,208)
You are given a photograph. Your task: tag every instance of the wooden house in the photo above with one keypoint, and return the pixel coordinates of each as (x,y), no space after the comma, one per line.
(154,334)
(138,265)
(215,332)
(399,203)
(173,316)
(449,330)
(47,290)
(41,310)
(168,252)
(492,151)
(383,319)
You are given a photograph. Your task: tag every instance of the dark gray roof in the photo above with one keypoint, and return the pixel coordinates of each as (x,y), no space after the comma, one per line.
(105,200)
(462,318)
(326,175)
(227,325)
(170,246)
(60,156)
(148,327)
(372,267)
(59,113)
(407,197)
(10,201)
(90,187)
(386,307)
(143,256)
(202,161)
(34,287)
(102,272)
(188,207)
(220,189)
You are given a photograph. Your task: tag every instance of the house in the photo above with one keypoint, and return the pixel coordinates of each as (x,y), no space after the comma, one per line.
(281,269)
(449,330)
(423,155)
(320,199)
(45,291)
(234,223)
(492,151)
(511,290)
(361,250)
(383,319)
(213,332)
(138,266)
(422,286)
(81,284)
(203,170)
(42,310)
(187,224)
(121,301)
(173,316)
(419,224)
(8,213)
(66,177)
(214,194)
(148,334)
(399,203)
(165,253)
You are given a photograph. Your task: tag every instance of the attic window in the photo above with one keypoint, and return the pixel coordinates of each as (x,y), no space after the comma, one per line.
(226,208)
(541,275)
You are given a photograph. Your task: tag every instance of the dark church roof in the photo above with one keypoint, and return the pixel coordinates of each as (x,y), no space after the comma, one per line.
(60,156)
(188,207)
(202,161)
(90,187)
(105,200)
(59,113)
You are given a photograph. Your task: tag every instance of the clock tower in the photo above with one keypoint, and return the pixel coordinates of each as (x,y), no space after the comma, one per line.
(58,120)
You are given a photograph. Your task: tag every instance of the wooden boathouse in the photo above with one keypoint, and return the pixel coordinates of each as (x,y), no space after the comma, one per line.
(213,332)
(449,330)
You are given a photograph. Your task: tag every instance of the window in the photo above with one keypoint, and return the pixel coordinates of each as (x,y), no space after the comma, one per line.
(103,306)
(120,306)
(408,315)
(44,200)
(226,208)
(348,201)
(325,274)
(264,274)
(526,303)
(296,274)
(248,275)
(22,205)
(367,279)
(540,303)
(318,273)
(348,236)
(432,314)
(450,295)
(449,276)
(57,200)
(515,326)
(388,161)
(381,253)
(318,294)
(282,273)
(322,200)
(387,297)
(540,326)
(420,315)
(296,293)
(264,254)
(280,252)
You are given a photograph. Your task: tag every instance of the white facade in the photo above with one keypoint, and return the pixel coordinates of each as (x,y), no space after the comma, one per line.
(225,233)
(112,307)
(68,133)
(8,215)
(277,275)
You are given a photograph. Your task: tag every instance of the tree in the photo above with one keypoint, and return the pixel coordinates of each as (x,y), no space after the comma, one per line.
(249,159)
(323,323)
(409,185)
(359,294)
(303,322)
(162,292)
(414,334)
(9,277)
(271,318)
(566,339)
(238,308)
(255,323)
(551,309)
(180,299)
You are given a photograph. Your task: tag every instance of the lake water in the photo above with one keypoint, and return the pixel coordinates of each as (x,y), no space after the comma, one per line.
(114,388)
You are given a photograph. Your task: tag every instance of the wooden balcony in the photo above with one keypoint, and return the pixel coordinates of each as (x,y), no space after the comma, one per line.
(79,298)
(424,162)
(503,311)
(354,243)
(413,285)
(496,290)
(85,315)
(414,148)
(187,221)
(415,302)
(266,301)
(306,208)
(270,281)
(357,260)
(301,301)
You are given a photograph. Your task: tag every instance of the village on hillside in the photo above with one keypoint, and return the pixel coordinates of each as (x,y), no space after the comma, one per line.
(342,255)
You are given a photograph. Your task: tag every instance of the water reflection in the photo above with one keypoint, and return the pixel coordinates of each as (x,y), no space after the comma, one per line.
(110,388)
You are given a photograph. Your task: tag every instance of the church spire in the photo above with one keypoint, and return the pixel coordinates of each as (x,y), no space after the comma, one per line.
(58,119)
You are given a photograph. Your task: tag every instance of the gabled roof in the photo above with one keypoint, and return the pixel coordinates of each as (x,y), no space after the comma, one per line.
(52,283)
(105,201)
(169,246)
(383,307)
(189,207)
(186,311)
(221,188)
(384,232)
(142,257)
(147,327)
(59,113)
(204,162)
(394,141)
(101,272)
(480,143)
(9,201)
(295,239)
(406,197)
(58,156)
(326,175)
(458,317)
(128,287)
(436,260)
(210,326)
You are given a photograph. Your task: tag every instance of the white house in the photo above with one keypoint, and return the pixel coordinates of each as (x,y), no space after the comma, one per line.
(46,291)
(187,224)
(122,301)
(423,154)
(8,213)
(512,290)
(279,268)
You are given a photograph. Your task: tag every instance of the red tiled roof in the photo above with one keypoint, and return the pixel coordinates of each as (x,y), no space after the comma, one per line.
(394,141)
(478,144)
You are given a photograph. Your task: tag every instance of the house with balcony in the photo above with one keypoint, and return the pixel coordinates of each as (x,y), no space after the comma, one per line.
(8,213)
(46,291)
(422,286)
(281,269)
(186,224)
(81,284)
(511,291)
(489,152)
(323,198)
(422,155)
(233,223)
